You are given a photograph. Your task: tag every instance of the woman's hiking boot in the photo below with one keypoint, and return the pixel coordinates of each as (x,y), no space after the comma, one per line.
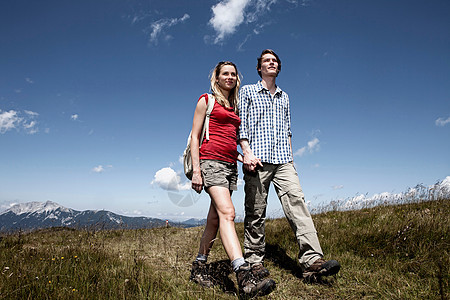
(200,274)
(251,286)
(320,268)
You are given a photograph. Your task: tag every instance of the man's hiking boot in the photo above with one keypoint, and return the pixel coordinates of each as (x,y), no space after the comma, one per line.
(200,274)
(259,271)
(251,286)
(320,268)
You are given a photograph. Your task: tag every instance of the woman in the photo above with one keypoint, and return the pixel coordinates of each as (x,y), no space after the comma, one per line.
(215,169)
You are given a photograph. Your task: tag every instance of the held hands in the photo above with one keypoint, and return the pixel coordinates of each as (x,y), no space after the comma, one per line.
(251,162)
(197,182)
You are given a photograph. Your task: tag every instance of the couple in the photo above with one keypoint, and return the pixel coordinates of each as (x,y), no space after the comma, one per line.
(258,117)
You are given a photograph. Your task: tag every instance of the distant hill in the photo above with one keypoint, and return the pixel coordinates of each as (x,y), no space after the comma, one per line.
(38,215)
(386,252)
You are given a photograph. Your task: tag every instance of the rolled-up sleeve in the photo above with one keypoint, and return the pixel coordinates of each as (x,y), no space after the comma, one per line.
(243,113)
(288,118)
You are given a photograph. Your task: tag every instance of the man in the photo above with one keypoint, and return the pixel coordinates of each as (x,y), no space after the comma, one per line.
(265,139)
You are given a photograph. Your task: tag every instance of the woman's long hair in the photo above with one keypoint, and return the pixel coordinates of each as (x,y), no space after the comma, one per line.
(233,98)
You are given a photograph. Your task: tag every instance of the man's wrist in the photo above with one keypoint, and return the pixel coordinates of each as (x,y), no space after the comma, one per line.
(247,151)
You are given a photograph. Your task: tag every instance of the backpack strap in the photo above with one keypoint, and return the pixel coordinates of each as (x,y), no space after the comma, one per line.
(209,108)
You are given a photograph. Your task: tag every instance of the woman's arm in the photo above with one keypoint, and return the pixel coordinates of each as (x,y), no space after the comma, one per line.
(197,126)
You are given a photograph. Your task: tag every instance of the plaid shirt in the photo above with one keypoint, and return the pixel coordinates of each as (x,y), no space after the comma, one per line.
(266,123)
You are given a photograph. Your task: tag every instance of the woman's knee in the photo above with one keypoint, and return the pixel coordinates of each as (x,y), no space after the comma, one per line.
(228,213)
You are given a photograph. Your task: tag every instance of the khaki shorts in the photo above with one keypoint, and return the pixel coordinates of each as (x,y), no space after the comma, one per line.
(219,173)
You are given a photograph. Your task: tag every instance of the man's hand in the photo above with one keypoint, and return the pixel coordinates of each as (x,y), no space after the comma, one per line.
(251,162)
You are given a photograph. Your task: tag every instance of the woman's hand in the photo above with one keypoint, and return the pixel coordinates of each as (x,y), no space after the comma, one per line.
(197,182)
(251,162)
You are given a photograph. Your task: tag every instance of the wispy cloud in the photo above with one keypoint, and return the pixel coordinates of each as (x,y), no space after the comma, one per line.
(260,8)
(442,122)
(157,29)
(337,187)
(30,127)
(312,146)
(74,117)
(31,113)
(20,121)
(29,80)
(101,169)
(169,180)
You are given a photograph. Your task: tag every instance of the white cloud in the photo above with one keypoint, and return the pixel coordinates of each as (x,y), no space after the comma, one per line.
(31,113)
(442,122)
(312,146)
(13,120)
(101,169)
(29,80)
(337,187)
(9,120)
(30,127)
(158,28)
(169,180)
(227,16)
(260,7)
(98,169)
(74,117)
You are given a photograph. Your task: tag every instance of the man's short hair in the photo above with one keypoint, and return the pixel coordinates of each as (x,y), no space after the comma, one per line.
(267,51)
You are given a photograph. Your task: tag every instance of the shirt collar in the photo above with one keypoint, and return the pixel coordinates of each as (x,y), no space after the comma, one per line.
(260,87)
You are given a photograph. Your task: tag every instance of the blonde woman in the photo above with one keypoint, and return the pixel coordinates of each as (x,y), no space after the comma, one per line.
(215,170)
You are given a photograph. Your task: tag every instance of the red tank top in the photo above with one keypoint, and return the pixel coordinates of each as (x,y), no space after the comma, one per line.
(223,128)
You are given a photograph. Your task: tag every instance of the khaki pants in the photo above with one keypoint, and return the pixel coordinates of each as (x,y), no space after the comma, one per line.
(287,185)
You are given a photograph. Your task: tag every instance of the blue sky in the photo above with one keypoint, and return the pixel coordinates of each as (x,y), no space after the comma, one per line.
(97,97)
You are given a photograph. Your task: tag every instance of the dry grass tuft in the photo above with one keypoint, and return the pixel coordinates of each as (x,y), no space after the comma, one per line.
(386,252)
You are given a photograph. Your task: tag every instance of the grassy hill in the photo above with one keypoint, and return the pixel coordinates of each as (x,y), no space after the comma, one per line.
(386,252)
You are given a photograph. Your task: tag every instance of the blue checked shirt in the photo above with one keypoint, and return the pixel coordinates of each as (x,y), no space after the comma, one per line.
(266,123)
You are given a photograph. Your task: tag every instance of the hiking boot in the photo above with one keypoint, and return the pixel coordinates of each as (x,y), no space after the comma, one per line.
(320,268)
(259,271)
(251,286)
(200,274)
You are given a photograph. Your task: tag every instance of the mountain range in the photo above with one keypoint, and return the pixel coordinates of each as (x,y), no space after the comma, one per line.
(38,215)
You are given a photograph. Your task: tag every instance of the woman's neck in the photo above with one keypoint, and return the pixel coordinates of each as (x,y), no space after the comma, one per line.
(225,94)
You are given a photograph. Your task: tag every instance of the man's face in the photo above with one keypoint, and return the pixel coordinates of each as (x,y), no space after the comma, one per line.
(269,66)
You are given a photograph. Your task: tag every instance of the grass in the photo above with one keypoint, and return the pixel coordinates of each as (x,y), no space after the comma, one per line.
(386,252)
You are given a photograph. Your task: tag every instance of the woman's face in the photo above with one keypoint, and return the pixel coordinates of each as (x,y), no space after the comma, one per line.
(227,77)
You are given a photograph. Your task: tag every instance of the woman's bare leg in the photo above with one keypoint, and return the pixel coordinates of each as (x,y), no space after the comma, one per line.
(209,235)
(221,200)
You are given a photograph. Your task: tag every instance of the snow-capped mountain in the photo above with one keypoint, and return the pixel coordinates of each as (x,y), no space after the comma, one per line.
(35,215)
